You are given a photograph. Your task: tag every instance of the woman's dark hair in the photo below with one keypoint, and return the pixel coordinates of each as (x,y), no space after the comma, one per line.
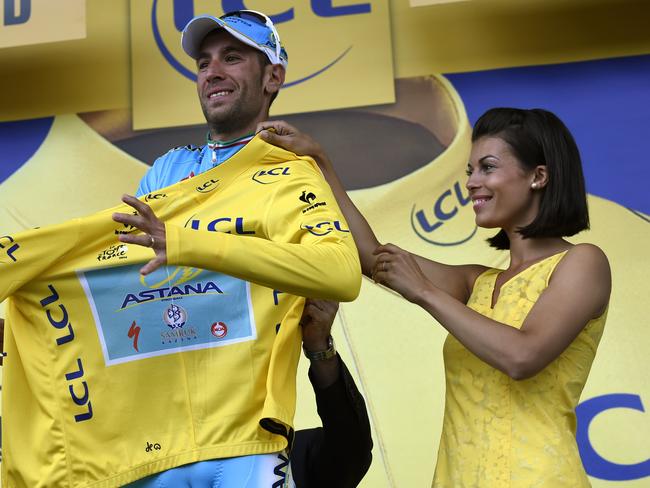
(538,137)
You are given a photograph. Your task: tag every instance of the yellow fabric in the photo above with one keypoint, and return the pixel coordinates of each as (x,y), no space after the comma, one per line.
(74,415)
(499,432)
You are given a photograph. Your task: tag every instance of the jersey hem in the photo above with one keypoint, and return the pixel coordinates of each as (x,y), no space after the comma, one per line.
(193,456)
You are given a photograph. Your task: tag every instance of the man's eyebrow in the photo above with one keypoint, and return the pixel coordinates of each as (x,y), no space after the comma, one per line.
(225,50)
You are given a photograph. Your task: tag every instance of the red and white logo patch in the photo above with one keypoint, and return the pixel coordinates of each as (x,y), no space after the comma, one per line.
(219,330)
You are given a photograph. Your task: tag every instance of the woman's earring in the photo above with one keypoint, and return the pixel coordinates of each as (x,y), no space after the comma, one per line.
(534,186)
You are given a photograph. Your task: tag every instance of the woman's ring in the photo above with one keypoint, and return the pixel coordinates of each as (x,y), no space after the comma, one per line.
(153,241)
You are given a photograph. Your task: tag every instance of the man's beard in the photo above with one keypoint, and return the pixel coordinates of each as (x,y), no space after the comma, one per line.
(235,118)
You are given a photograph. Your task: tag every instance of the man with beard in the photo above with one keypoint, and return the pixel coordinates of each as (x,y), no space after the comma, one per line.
(278,235)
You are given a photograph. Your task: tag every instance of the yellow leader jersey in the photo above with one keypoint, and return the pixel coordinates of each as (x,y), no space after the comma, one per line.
(111,376)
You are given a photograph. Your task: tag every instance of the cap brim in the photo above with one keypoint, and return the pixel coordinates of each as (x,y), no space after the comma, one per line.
(199,27)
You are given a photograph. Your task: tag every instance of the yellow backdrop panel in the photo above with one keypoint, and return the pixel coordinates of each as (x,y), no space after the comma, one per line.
(36,21)
(95,73)
(363,74)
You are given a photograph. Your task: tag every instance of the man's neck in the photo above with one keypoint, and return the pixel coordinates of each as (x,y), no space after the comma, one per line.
(218,134)
(211,141)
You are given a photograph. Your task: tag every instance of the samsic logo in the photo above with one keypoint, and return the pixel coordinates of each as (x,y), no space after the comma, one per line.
(440,224)
(179,12)
(324,228)
(268,176)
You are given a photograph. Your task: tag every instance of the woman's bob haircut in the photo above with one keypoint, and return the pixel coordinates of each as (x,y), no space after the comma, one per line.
(538,137)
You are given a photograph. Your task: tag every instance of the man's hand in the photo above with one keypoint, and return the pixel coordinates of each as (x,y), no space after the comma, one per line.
(153,228)
(316,321)
(286,136)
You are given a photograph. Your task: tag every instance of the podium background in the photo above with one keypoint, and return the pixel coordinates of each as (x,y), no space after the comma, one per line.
(420,76)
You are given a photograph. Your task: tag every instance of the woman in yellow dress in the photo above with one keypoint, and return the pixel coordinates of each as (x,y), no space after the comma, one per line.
(521,340)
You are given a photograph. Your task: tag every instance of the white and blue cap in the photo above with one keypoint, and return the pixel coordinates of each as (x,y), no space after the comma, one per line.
(249,26)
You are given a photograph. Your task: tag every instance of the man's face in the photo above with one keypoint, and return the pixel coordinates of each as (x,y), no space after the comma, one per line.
(231,84)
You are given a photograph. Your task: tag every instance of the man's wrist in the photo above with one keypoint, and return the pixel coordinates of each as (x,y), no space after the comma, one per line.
(320,351)
(321,159)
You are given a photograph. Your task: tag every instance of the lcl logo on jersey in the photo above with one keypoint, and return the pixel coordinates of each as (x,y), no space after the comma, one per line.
(268,176)
(441,225)
(222,224)
(58,316)
(154,196)
(208,186)
(324,228)
(10,246)
(182,12)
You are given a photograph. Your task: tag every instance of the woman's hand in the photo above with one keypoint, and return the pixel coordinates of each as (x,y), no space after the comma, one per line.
(398,270)
(286,136)
(154,235)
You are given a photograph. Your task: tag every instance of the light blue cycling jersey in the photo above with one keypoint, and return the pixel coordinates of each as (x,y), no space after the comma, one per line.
(262,470)
(187,161)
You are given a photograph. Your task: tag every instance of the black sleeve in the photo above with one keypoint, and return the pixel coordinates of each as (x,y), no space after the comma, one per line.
(339,453)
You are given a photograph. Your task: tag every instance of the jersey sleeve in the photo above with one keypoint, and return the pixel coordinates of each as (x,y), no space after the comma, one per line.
(26,255)
(309,250)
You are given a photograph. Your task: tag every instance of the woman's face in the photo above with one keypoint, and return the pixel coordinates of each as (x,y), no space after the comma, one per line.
(500,188)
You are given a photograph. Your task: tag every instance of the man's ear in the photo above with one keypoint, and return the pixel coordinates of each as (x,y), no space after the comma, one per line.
(274,78)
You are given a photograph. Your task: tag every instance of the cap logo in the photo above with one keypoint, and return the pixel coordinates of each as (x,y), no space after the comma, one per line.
(182,11)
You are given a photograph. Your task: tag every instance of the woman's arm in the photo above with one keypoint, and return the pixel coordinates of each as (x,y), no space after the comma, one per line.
(455,280)
(578,291)
(288,137)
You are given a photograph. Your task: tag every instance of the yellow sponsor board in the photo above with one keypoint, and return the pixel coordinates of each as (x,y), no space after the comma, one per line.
(472,35)
(36,21)
(340,55)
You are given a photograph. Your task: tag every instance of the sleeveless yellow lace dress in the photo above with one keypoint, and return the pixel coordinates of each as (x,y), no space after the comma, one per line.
(499,432)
